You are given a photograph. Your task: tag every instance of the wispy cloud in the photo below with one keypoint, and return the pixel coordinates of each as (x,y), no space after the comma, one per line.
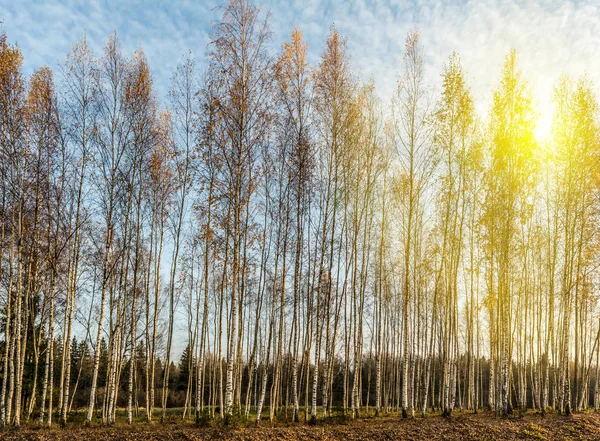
(550,36)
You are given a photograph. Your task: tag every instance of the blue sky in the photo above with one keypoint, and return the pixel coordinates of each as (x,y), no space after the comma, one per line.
(550,36)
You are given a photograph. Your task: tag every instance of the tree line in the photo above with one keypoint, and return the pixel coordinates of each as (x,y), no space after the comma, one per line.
(315,248)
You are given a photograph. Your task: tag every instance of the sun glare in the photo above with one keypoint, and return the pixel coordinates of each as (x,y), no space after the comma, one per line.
(543,126)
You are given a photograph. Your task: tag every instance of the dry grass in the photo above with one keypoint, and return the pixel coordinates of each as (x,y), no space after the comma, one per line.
(462,426)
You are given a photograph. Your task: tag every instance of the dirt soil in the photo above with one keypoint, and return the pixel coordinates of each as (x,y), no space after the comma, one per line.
(464,426)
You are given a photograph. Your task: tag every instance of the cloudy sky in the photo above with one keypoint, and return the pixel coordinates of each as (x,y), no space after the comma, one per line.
(550,36)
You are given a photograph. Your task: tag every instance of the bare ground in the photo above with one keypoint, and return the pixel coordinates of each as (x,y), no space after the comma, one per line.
(462,426)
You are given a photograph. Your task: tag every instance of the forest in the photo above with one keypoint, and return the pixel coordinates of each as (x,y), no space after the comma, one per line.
(317,250)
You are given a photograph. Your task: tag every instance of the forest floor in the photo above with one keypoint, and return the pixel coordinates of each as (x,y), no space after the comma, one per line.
(462,426)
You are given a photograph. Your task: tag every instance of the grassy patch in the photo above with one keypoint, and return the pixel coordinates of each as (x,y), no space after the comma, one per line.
(535,432)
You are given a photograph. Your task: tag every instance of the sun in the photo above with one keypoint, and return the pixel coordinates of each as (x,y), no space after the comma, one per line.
(543,126)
